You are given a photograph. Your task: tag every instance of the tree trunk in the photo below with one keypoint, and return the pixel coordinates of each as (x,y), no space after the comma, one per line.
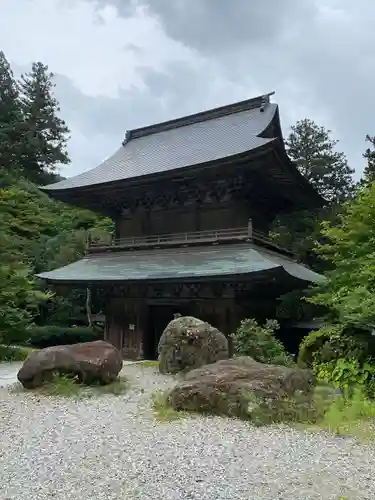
(88,307)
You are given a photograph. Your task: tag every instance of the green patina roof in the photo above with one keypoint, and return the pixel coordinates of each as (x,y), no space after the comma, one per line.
(178,263)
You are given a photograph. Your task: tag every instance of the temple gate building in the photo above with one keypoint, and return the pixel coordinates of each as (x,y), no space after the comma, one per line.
(192,200)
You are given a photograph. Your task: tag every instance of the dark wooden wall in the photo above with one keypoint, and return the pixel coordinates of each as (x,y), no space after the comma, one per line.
(147,222)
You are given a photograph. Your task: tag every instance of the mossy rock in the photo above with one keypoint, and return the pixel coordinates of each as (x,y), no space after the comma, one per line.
(242,387)
(188,343)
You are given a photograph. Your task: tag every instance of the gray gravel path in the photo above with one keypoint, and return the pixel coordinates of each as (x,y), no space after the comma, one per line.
(112,448)
(8,373)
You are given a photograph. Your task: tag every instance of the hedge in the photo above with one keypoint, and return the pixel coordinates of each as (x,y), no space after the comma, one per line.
(46,336)
(13,353)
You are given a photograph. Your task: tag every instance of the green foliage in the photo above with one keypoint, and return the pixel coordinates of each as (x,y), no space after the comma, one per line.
(260,343)
(163,410)
(19,301)
(46,134)
(299,232)
(369,155)
(67,386)
(13,353)
(349,249)
(11,121)
(312,345)
(46,336)
(351,416)
(348,375)
(332,342)
(293,306)
(323,409)
(44,234)
(314,152)
(36,233)
(312,148)
(29,221)
(305,408)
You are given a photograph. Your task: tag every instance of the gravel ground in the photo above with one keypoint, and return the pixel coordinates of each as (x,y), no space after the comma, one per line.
(112,448)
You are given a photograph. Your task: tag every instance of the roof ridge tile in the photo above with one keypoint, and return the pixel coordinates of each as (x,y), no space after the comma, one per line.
(210,114)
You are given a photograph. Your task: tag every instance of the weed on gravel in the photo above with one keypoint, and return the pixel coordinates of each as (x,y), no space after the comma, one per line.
(163,411)
(350,416)
(69,387)
(148,364)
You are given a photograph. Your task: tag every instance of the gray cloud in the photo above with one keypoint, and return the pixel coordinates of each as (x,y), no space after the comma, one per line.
(213,26)
(317,56)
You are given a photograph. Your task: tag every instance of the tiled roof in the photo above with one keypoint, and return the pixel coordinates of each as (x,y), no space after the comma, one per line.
(192,140)
(178,263)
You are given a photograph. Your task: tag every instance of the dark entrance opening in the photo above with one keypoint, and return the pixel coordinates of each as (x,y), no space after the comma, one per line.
(158,318)
(291,337)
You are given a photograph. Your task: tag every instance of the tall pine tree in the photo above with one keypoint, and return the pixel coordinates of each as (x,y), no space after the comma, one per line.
(313,150)
(47,134)
(369,155)
(11,122)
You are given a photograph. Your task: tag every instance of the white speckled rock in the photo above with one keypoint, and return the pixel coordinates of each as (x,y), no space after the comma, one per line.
(111,448)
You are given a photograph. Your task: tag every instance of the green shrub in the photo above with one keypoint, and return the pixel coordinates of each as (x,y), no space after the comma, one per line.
(46,336)
(13,353)
(312,345)
(351,416)
(333,342)
(260,343)
(348,374)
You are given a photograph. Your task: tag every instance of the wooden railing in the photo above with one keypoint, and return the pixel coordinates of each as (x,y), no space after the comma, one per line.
(186,239)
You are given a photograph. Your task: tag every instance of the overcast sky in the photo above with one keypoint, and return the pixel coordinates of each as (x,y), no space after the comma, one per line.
(121,64)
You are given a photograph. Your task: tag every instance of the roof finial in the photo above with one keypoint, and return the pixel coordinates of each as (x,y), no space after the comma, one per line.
(264,101)
(127,137)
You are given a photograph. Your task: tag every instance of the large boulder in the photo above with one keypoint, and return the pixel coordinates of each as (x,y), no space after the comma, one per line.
(92,362)
(188,343)
(244,388)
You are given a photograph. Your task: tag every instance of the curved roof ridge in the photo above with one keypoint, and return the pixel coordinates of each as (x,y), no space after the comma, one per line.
(210,114)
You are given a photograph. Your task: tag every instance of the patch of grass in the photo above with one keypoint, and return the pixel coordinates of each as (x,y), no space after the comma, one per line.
(61,385)
(149,363)
(14,353)
(163,410)
(326,409)
(116,388)
(69,387)
(351,416)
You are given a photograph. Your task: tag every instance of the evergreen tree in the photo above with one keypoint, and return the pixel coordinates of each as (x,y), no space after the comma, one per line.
(369,170)
(349,247)
(313,150)
(47,133)
(11,122)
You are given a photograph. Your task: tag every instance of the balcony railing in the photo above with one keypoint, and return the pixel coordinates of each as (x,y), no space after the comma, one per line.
(187,239)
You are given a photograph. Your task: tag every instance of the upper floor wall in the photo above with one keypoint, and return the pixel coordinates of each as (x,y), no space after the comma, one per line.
(148,222)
